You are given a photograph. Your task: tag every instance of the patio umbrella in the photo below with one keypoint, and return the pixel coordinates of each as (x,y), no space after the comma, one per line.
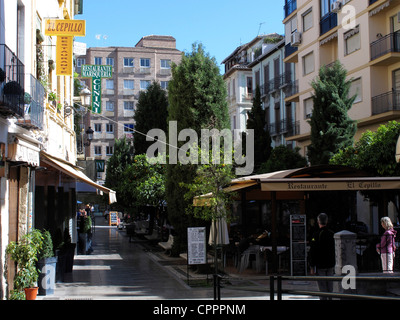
(219,232)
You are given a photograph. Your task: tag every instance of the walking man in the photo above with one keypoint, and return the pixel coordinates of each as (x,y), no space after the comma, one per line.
(322,254)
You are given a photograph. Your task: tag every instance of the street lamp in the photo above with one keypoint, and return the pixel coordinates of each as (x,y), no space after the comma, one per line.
(89,136)
(86,96)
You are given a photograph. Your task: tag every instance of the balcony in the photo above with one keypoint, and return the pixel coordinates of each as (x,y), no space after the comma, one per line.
(285,126)
(12,88)
(290,6)
(289,50)
(328,22)
(389,101)
(386,50)
(34,106)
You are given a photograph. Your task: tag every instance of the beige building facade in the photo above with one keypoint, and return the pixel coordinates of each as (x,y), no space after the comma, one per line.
(134,69)
(364,36)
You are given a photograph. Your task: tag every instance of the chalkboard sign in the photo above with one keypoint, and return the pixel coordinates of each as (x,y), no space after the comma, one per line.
(113,218)
(298,245)
(197,246)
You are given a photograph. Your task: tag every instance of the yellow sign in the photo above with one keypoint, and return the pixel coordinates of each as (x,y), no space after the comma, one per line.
(76,28)
(64,61)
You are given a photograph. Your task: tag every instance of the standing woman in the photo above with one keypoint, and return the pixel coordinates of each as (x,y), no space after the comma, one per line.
(387,247)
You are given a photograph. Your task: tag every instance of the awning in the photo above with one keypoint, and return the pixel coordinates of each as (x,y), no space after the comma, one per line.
(74,172)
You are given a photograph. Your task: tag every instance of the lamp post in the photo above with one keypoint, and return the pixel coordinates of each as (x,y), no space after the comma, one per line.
(89,136)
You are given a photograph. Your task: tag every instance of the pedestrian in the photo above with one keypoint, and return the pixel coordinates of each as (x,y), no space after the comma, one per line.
(386,248)
(322,254)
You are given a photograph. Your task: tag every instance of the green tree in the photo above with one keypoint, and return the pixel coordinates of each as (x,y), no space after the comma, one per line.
(197,100)
(116,166)
(375,153)
(284,158)
(151,113)
(262,139)
(331,127)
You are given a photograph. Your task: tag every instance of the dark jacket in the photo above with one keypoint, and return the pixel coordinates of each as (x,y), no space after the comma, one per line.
(322,249)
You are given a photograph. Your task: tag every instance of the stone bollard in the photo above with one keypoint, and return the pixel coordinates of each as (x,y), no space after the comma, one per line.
(345,251)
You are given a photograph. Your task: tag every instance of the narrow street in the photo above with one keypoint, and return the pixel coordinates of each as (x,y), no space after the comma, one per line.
(121,270)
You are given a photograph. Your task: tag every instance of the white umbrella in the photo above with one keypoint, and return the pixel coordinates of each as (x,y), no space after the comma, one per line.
(221,229)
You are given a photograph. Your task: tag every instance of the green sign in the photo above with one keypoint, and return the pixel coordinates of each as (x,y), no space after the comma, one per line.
(100,165)
(96,72)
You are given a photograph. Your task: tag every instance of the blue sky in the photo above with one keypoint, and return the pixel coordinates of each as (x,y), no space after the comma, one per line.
(220,25)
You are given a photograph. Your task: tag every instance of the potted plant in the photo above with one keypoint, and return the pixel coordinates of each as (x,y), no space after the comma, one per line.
(13,88)
(47,263)
(25,254)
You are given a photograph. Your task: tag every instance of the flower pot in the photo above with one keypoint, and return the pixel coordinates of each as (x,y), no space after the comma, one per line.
(31,293)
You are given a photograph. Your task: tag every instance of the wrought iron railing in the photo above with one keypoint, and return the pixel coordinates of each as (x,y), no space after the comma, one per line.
(385,44)
(389,101)
(12,88)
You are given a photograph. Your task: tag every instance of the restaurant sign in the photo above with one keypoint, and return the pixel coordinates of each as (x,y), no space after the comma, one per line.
(65,30)
(96,73)
(59,27)
(353,184)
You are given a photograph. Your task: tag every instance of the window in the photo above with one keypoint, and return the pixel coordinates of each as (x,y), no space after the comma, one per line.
(165,64)
(109,84)
(326,7)
(164,85)
(109,151)
(144,63)
(356,89)
(308,63)
(352,40)
(109,106)
(110,62)
(98,61)
(307,20)
(128,84)
(308,107)
(249,85)
(128,127)
(128,62)
(97,150)
(80,62)
(109,128)
(144,84)
(97,127)
(128,105)
(290,27)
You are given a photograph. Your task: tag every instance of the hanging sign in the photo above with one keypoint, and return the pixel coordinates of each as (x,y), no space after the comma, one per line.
(64,65)
(58,27)
(65,30)
(96,72)
(100,164)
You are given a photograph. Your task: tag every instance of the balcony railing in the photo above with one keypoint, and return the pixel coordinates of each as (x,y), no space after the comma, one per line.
(285,126)
(278,82)
(34,108)
(389,101)
(290,6)
(328,22)
(386,44)
(289,49)
(12,89)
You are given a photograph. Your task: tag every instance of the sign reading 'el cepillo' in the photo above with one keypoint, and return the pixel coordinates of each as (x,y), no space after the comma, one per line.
(65,30)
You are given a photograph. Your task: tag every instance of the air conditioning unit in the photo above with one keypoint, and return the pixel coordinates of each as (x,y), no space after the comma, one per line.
(295,39)
(336,6)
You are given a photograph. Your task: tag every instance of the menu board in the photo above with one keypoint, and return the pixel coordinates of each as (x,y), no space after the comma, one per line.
(113,218)
(197,246)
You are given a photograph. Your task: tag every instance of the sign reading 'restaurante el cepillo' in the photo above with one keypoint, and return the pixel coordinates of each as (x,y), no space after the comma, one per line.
(65,30)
